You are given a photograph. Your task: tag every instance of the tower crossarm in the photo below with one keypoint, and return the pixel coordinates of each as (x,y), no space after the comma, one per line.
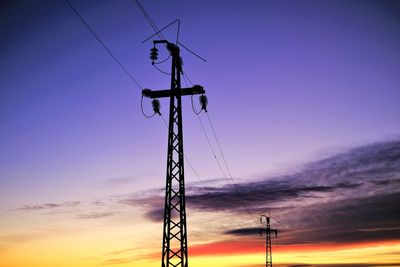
(270,230)
(195,90)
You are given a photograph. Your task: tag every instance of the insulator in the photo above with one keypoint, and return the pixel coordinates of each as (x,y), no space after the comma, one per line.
(154,53)
(203,102)
(156,106)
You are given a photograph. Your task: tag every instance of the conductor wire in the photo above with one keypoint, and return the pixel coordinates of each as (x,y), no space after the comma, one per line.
(102,43)
(144,114)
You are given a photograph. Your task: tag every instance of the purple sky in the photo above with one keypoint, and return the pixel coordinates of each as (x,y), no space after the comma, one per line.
(287,81)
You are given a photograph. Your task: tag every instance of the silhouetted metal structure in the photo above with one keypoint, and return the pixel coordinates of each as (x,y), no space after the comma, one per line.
(174,245)
(268,244)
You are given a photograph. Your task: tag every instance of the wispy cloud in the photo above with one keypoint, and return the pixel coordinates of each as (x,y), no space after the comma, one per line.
(95,215)
(251,231)
(74,209)
(47,206)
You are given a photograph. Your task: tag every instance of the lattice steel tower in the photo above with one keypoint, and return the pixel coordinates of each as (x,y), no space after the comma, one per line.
(174,245)
(268,243)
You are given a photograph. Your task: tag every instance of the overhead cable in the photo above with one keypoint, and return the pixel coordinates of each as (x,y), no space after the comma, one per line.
(102,43)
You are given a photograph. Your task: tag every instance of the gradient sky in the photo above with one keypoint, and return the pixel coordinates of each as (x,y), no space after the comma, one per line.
(304,96)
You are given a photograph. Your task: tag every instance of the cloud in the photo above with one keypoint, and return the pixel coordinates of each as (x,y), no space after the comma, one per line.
(49,206)
(95,215)
(379,229)
(371,169)
(257,194)
(347,220)
(153,203)
(244,231)
(155,215)
(335,199)
(74,209)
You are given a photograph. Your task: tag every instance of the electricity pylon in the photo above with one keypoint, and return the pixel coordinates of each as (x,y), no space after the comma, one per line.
(268,244)
(174,245)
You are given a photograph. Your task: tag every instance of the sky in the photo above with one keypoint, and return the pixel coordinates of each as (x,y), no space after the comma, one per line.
(303,97)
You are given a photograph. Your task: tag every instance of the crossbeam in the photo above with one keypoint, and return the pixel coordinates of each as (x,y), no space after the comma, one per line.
(271,230)
(195,90)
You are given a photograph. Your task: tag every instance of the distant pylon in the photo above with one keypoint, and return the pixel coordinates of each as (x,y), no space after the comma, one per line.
(268,243)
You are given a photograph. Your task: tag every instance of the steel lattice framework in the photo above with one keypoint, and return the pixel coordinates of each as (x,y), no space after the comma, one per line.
(268,243)
(174,252)
(174,246)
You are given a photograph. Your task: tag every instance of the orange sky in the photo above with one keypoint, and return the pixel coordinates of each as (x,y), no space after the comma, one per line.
(83,250)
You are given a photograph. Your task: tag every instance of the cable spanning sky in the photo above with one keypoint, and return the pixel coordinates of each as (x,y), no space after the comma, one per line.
(303,96)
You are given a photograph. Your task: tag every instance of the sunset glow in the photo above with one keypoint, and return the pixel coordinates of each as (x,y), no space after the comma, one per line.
(302,125)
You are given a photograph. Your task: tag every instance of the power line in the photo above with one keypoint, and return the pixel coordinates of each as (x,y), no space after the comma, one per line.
(190,51)
(102,43)
(160,70)
(226,164)
(219,146)
(165,27)
(232,183)
(157,32)
(187,76)
(149,19)
(144,114)
(203,183)
(191,99)
(162,61)
(211,148)
(188,161)
(207,138)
